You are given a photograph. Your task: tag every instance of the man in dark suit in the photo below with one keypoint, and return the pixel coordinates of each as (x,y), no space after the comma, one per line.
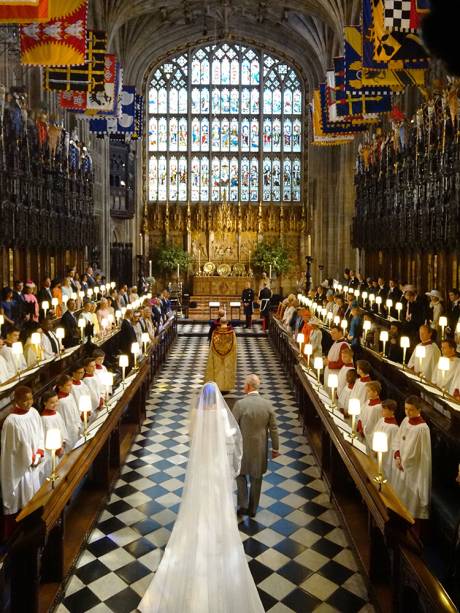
(43,294)
(453,314)
(70,324)
(21,304)
(127,332)
(247,298)
(416,311)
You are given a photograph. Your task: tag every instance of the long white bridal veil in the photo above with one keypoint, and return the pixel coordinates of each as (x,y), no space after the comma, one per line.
(204,567)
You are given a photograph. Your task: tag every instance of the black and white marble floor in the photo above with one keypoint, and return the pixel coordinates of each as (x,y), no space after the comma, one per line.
(296,549)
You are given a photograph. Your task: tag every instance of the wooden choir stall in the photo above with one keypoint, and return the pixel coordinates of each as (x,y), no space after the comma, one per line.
(53,527)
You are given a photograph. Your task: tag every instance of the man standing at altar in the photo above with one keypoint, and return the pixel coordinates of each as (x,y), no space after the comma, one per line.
(247,298)
(265,296)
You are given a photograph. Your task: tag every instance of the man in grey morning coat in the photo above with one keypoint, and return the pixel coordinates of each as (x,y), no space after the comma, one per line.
(256,417)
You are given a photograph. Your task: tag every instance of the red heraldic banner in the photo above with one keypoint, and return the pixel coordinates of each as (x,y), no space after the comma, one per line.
(93,101)
(21,11)
(61,41)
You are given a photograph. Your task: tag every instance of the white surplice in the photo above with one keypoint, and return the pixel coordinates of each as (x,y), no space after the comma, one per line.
(446,380)
(370,415)
(50,422)
(22,442)
(94,390)
(68,409)
(413,483)
(4,371)
(204,567)
(429,362)
(13,362)
(343,376)
(334,358)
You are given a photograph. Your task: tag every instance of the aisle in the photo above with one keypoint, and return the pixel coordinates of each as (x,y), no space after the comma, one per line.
(298,556)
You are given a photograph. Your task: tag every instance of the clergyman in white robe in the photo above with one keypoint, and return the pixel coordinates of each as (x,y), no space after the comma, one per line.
(23,446)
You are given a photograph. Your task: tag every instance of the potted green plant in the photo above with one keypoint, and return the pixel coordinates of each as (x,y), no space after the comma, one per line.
(270,257)
(169,258)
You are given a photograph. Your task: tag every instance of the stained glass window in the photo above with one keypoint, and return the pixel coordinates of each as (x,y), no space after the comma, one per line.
(225,122)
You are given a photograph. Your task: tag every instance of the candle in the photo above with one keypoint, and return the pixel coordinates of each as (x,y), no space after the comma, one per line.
(354,409)
(150,268)
(384,338)
(443,324)
(199,258)
(135,350)
(333,383)
(309,245)
(84,404)
(123,362)
(420,353)
(270,272)
(405,344)
(308,351)
(380,445)
(178,272)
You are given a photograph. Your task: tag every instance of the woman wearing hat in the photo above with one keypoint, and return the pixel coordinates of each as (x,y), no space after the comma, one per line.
(435,309)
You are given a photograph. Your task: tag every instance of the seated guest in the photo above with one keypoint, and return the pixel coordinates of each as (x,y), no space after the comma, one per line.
(93,385)
(347,389)
(9,307)
(33,354)
(102,311)
(371,411)
(50,342)
(51,419)
(289,310)
(14,363)
(393,348)
(435,308)
(412,474)
(355,332)
(445,379)
(94,319)
(5,374)
(68,409)
(22,452)
(137,327)
(87,314)
(78,387)
(133,295)
(316,337)
(127,332)
(388,424)
(453,313)
(347,364)
(123,298)
(432,354)
(146,322)
(67,291)
(363,368)
(70,325)
(334,358)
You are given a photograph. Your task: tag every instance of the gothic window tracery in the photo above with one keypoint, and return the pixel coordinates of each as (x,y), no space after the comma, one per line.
(225,122)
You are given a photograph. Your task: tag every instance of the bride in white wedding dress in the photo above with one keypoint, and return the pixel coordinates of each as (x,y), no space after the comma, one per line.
(204,567)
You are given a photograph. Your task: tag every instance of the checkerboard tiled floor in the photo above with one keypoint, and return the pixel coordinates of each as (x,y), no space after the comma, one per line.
(198,328)
(296,549)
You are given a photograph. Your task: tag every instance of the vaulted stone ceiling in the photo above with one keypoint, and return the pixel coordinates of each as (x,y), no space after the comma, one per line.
(307,31)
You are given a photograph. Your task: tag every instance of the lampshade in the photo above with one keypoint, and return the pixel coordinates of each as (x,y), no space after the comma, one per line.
(339,287)
(145,338)
(443,363)
(378,300)
(118,313)
(405,342)
(54,302)
(371,297)
(60,333)
(314,305)
(45,305)
(354,406)
(344,324)
(65,299)
(35,338)
(420,352)
(398,306)
(308,349)
(53,439)
(336,319)
(333,381)
(123,361)
(123,311)
(104,322)
(357,293)
(135,348)
(329,316)
(323,312)
(318,363)
(110,318)
(84,403)
(299,297)
(300,338)
(380,441)
(384,336)
(74,295)
(107,286)
(364,295)
(113,284)
(389,303)
(443,321)
(107,378)
(81,294)
(97,290)
(367,325)
(82,322)
(345,289)
(17,348)
(89,292)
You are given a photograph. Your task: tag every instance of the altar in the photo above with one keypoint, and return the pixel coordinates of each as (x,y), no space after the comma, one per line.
(221,286)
